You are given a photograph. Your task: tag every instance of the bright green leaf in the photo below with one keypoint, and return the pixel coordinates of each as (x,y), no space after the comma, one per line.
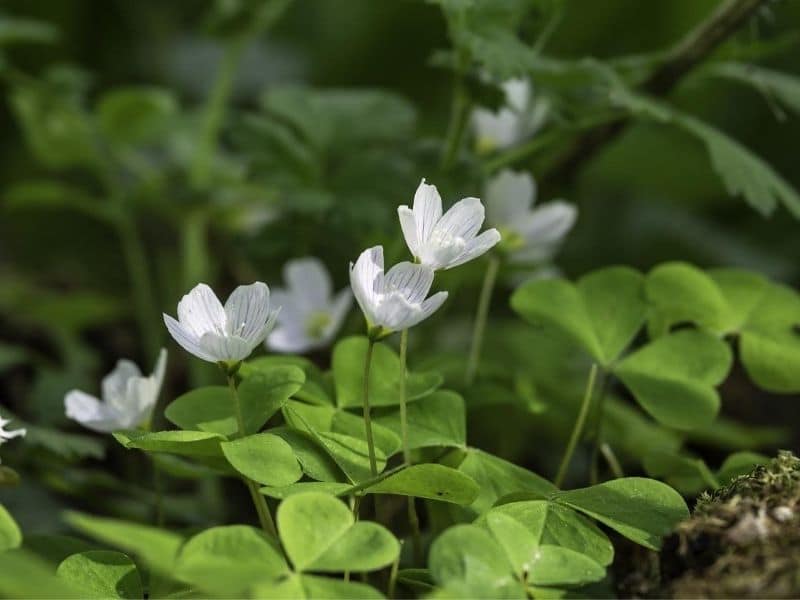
(188,443)
(431,481)
(384,380)
(602,312)
(264,458)
(102,574)
(435,420)
(320,533)
(229,560)
(10,535)
(673,377)
(643,510)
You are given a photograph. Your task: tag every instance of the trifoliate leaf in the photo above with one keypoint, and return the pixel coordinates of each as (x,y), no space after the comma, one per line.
(431,481)
(186,443)
(674,377)
(602,312)
(320,533)
(435,420)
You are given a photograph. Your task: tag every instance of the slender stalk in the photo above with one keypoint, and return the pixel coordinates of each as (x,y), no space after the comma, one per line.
(413,518)
(393,574)
(159,490)
(484,302)
(599,415)
(403,411)
(264,516)
(195,262)
(612,461)
(373,465)
(141,285)
(459,113)
(577,430)
(214,114)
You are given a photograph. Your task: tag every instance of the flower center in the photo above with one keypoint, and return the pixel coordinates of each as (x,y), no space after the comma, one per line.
(316,324)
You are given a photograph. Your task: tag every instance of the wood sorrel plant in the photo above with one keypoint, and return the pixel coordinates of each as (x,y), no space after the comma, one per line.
(582,380)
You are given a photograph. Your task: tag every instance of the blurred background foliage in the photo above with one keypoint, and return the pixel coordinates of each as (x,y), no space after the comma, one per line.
(150,145)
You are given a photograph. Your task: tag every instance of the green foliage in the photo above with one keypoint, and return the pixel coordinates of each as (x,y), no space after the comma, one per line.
(10,535)
(264,458)
(384,377)
(643,510)
(320,533)
(102,574)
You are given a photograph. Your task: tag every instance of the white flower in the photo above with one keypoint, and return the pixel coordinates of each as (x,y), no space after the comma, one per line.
(442,242)
(396,300)
(311,315)
(521,116)
(8,434)
(223,334)
(128,398)
(531,235)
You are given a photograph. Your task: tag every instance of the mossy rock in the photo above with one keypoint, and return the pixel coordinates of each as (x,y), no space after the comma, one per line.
(742,541)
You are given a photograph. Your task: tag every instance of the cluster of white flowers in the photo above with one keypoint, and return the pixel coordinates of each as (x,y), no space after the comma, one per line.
(308,313)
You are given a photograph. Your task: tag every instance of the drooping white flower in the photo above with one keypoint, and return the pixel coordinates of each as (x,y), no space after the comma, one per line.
(223,334)
(9,434)
(444,241)
(311,315)
(529,234)
(519,118)
(395,300)
(128,398)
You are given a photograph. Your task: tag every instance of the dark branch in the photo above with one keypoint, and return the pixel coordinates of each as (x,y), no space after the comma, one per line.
(686,54)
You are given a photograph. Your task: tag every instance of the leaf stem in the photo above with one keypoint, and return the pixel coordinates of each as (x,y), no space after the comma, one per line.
(611,459)
(373,465)
(141,284)
(577,430)
(264,516)
(393,575)
(459,115)
(413,518)
(484,301)
(214,114)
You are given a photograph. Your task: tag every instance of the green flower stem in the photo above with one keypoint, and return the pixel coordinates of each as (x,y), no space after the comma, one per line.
(597,438)
(214,114)
(373,464)
(413,518)
(264,516)
(481,316)
(459,114)
(141,285)
(577,430)
(393,574)
(612,461)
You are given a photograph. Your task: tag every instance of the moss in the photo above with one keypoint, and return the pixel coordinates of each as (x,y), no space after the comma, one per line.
(742,541)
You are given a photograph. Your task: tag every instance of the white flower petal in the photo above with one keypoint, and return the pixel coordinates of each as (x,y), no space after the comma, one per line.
(187,339)
(200,311)
(366,280)
(412,281)
(396,312)
(464,220)
(247,310)
(478,246)
(408,223)
(496,130)
(549,223)
(294,341)
(427,210)
(509,197)
(308,280)
(518,93)
(115,384)
(225,347)
(90,412)
(339,308)
(430,306)
(160,368)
